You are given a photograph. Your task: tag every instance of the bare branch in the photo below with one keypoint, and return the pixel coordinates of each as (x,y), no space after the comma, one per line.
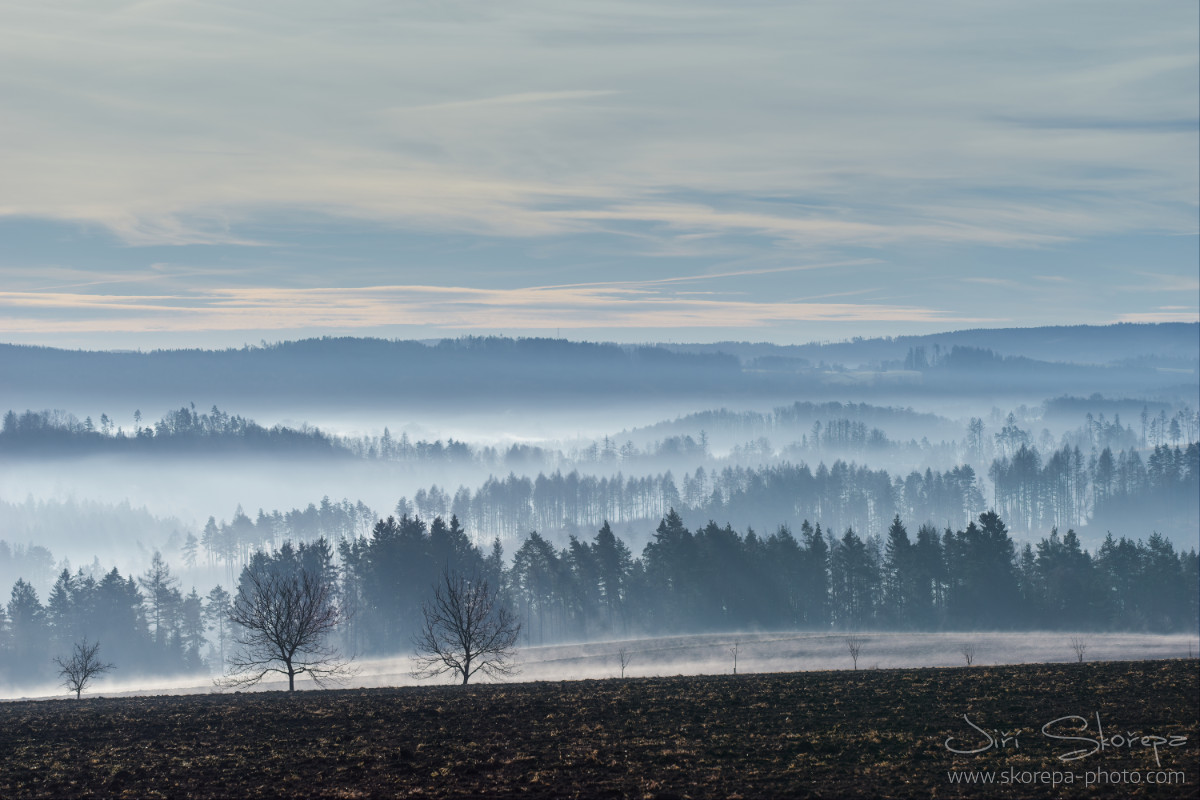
(83,665)
(624,656)
(283,622)
(465,631)
(854,644)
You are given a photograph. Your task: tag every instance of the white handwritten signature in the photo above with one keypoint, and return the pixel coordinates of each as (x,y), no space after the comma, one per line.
(997,739)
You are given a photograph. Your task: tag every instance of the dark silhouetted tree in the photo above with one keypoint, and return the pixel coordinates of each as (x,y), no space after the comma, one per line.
(78,669)
(283,621)
(466,631)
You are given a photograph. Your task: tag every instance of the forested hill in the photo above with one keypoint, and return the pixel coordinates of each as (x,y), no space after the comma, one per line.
(468,371)
(1082,344)
(477,372)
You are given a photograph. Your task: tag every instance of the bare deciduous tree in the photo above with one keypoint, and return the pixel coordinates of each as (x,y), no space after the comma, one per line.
(968,651)
(466,630)
(624,656)
(733,651)
(84,664)
(854,644)
(1079,647)
(282,623)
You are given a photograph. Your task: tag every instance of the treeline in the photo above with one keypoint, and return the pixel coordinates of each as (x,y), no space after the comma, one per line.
(189,431)
(184,431)
(1097,432)
(712,578)
(233,542)
(1113,489)
(716,579)
(845,495)
(145,625)
(800,432)
(967,579)
(794,420)
(1067,491)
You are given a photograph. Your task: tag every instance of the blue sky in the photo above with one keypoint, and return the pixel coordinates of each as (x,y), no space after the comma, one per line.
(199,174)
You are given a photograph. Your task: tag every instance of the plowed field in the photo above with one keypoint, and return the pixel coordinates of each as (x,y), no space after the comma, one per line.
(867,733)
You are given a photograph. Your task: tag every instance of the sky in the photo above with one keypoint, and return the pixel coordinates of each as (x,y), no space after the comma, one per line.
(207,174)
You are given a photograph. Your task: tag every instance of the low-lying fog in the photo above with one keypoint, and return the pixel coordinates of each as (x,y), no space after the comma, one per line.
(712,654)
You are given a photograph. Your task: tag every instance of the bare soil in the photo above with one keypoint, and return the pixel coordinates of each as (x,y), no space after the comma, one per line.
(867,733)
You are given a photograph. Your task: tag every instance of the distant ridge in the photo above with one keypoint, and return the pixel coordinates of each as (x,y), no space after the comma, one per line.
(1142,360)
(1086,344)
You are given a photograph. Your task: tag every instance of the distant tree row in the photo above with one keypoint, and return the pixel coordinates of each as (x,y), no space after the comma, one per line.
(147,625)
(185,430)
(792,421)
(233,542)
(845,494)
(800,432)
(712,578)
(971,578)
(715,579)
(1117,490)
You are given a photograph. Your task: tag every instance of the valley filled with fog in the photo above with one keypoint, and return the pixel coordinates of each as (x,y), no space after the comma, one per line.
(980,480)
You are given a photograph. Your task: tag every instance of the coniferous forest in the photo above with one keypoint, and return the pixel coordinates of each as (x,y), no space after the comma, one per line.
(713,578)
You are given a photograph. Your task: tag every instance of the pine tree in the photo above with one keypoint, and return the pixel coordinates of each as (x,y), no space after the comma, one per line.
(161,592)
(191,629)
(61,612)
(216,613)
(897,575)
(191,547)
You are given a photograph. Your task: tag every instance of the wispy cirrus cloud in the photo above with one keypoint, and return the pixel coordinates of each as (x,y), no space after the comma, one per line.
(1163,314)
(567,307)
(1003,283)
(519,98)
(812,229)
(536,120)
(1158,282)
(523,145)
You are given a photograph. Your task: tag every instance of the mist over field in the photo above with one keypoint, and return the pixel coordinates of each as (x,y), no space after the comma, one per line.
(712,654)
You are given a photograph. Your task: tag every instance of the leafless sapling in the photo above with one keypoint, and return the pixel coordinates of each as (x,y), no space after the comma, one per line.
(968,652)
(465,630)
(733,651)
(81,666)
(282,623)
(624,656)
(1079,647)
(854,644)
